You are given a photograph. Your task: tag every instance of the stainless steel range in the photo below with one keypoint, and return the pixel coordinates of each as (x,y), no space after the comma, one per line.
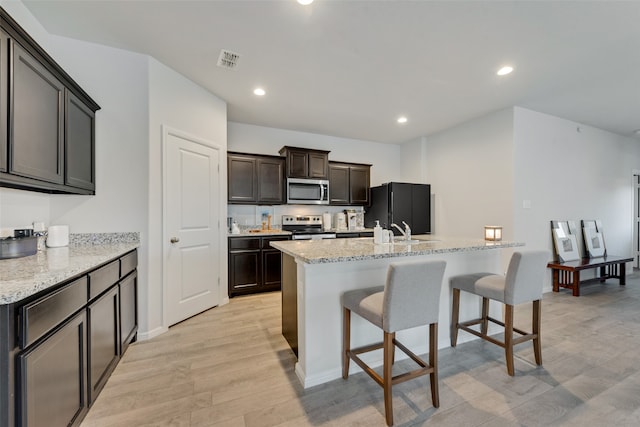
(305,227)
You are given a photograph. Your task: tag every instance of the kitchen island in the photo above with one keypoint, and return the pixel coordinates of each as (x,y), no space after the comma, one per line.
(316,273)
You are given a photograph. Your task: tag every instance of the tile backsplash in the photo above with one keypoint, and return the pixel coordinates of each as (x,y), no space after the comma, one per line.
(251,215)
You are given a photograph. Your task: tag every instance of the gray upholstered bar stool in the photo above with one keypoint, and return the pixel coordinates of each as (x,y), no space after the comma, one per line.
(522,283)
(410,298)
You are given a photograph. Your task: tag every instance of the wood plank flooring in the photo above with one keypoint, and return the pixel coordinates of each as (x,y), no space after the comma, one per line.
(230,366)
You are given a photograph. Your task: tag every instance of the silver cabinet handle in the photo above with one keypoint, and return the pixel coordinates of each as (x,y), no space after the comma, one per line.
(175,240)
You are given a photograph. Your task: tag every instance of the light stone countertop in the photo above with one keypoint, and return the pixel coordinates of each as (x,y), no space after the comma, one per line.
(23,277)
(363,248)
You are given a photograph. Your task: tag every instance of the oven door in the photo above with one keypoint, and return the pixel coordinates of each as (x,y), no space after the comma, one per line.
(307,191)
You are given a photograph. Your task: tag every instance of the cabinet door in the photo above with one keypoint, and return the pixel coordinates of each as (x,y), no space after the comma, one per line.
(242,179)
(338,184)
(359,184)
(270,180)
(103,340)
(79,144)
(128,311)
(297,164)
(52,378)
(318,165)
(36,121)
(244,272)
(271,269)
(4,100)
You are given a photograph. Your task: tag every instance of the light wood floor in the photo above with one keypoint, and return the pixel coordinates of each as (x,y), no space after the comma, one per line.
(230,366)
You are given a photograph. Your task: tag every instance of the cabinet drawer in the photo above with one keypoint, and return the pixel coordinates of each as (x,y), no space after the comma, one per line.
(102,278)
(266,240)
(128,263)
(42,315)
(244,243)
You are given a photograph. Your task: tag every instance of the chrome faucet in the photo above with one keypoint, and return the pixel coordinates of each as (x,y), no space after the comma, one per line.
(406,232)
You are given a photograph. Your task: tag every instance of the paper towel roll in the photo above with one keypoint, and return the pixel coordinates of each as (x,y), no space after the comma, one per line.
(57,236)
(326,221)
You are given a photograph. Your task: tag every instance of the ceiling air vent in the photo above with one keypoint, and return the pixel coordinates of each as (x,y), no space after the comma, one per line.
(228,59)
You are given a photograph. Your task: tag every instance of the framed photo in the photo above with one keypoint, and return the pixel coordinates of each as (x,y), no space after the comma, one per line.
(594,242)
(564,241)
(593,237)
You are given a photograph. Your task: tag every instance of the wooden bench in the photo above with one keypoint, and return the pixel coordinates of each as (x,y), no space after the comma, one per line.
(567,274)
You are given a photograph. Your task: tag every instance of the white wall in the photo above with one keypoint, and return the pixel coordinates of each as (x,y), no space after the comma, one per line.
(19,209)
(180,104)
(470,169)
(414,157)
(569,171)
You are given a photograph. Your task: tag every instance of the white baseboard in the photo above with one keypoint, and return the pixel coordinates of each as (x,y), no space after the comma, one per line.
(143,336)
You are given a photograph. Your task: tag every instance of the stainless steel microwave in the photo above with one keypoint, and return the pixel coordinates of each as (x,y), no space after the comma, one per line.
(303,191)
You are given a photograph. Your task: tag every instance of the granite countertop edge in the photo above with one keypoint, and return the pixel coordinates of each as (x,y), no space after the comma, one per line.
(324,256)
(23,277)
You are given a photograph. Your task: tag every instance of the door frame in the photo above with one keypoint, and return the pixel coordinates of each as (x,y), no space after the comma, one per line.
(635,249)
(222,191)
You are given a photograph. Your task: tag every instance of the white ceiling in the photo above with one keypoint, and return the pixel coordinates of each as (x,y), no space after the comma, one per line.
(350,68)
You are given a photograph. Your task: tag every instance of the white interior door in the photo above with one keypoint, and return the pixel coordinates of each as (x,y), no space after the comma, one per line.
(191,226)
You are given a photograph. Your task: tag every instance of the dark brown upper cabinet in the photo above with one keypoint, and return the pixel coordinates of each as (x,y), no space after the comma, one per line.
(349,183)
(255,179)
(37,120)
(4,100)
(306,163)
(79,144)
(47,140)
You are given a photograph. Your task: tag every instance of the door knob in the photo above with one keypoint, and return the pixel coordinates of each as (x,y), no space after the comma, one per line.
(175,240)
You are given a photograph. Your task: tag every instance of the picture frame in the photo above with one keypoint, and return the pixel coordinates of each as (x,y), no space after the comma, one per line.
(564,241)
(593,237)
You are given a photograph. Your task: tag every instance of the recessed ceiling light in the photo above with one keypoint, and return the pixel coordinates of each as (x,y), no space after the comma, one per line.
(505,70)
(305,2)
(402,119)
(259,91)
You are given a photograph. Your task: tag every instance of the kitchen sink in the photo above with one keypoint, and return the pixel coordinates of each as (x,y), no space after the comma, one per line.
(426,239)
(407,242)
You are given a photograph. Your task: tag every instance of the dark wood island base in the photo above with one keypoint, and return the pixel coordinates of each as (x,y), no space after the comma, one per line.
(567,274)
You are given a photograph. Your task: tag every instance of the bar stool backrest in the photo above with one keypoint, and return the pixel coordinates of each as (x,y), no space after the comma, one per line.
(525,276)
(412,294)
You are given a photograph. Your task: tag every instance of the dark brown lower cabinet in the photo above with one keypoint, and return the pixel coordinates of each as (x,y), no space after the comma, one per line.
(52,378)
(245,273)
(128,310)
(62,345)
(254,266)
(271,268)
(104,340)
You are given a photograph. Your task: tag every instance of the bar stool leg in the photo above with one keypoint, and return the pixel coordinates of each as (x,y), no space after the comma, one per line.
(508,337)
(346,341)
(537,347)
(433,361)
(454,317)
(393,349)
(484,327)
(388,347)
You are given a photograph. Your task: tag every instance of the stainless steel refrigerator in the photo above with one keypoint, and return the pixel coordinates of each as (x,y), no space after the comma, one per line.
(395,202)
